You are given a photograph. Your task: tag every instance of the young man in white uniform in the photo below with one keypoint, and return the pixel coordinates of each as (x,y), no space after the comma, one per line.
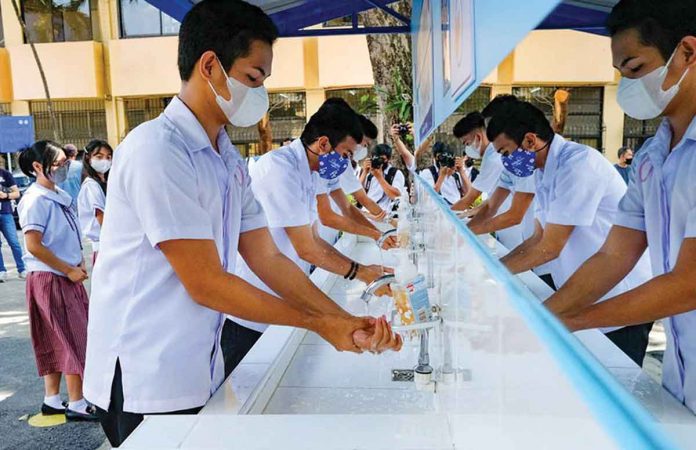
(180,208)
(284,184)
(654,48)
(577,197)
(447,174)
(383,182)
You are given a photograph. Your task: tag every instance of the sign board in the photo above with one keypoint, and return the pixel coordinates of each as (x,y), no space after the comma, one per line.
(16,133)
(456,44)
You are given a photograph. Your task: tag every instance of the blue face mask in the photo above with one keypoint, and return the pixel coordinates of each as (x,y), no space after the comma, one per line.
(521,163)
(332,165)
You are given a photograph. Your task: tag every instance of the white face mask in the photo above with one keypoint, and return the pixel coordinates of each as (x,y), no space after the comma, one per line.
(360,153)
(100,165)
(474,150)
(246,106)
(643,98)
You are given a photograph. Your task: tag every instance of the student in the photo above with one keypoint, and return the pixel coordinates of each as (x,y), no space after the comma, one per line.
(283,182)
(180,210)
(72,184)
(91,202)
(447,174)
(383,182)
(577,194)
(56,298)
(625,155)
(654,47)
(471,171)
(8,193)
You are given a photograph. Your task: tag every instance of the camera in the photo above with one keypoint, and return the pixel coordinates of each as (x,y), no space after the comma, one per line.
(377,162)
(404,130)
(446,160)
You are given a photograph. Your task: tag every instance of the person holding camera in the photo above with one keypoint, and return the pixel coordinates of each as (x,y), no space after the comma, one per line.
(8,192)
(383,182)
(447,174)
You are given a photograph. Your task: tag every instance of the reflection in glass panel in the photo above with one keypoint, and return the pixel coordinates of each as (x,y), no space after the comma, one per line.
(39,20)
(58,20)
(169,25)
(139,19)
(77,23)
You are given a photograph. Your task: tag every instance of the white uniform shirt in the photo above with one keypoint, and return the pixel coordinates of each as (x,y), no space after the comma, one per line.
(661,201)
(91,199)
(377,194)
(326,187)
(579,187)
(167,183)
(514,236)
(284,185)
(450,189)
(53,214)
(491,168)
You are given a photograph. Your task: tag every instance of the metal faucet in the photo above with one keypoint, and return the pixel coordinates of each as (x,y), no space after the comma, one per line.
(424,367)
(375,285)
(386,235)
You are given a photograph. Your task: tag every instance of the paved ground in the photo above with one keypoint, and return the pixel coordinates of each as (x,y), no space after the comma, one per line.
(21,389)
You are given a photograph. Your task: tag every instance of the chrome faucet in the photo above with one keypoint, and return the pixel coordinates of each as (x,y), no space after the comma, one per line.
(386,235)
(375,285)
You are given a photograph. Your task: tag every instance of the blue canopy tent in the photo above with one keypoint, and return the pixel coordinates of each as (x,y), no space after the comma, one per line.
(293,17)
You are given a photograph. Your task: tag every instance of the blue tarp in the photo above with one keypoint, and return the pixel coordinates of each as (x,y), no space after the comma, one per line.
(292,16)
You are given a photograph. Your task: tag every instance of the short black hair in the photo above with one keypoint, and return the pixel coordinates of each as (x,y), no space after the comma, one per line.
(335,122)
(470,122)
(517,120)
(369,128)
(498,104)
(382,150)
(44,152)
(88,171)
(661,24)
(440,148)
(338,101)
(226,27)
(622,151)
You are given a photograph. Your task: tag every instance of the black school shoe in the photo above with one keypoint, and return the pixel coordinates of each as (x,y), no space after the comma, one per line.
(74,416)
(51,411)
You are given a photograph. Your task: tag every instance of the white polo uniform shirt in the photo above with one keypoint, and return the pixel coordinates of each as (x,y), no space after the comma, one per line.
(53,214)
(377,194)
(167,183)
(578,186)
(91,199)
(450,190)
(489,175)
(284,185)
(661,201)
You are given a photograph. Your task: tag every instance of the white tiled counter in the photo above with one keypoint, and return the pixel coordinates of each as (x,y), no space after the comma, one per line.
(294,391)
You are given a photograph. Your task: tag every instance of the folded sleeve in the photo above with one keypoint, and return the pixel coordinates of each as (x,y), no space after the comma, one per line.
(33,214)
(159,185)
(282,196)
(631,213)
(690,231)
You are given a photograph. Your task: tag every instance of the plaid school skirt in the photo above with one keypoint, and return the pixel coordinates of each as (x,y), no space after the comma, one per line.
(58,318)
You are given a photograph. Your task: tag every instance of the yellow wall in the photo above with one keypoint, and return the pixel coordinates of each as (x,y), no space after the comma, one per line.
(565,57)
(73,70)
(141,67)
(5,77)
(344,62)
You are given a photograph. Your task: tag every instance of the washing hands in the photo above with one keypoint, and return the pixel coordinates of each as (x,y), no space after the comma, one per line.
(359,334)
(368,274)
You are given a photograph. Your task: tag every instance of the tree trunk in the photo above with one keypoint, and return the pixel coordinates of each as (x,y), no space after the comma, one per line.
(560,110)
(390,55)
(54,121)
(265,134)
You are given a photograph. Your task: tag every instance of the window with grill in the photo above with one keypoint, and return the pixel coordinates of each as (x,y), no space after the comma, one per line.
(476,102)
(79,121)
(288,114)
(585,111)
(59,20)
(141,19)
(636,132)
(5,109)
(139,110)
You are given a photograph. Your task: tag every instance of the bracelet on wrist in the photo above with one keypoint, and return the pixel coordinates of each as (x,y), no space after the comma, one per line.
(351,271)
(355,273)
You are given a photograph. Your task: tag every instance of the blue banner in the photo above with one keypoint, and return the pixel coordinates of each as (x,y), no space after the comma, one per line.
(456,44)
(16,133)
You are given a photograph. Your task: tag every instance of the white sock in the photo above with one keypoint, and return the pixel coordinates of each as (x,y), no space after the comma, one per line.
(54,401)
(79,406)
